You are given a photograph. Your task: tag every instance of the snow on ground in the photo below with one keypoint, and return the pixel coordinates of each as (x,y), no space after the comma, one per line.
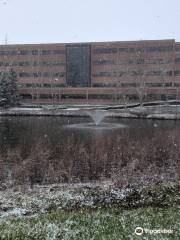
(22,200)
(41,199)
(25,109)
(72,109)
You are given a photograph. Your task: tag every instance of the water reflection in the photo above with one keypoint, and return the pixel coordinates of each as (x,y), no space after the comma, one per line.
(16,131)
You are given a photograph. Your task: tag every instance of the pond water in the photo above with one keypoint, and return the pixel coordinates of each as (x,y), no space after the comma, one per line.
(77,138)
(26,130)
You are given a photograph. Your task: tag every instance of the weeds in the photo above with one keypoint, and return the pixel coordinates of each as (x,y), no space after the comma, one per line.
(123,160)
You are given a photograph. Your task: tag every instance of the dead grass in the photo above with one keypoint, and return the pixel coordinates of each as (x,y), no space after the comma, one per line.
(123,160)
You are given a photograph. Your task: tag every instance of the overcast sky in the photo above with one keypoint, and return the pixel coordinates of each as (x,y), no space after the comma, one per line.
(45,21)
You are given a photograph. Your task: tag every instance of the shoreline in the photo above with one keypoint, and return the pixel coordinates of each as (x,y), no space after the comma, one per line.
(162,112)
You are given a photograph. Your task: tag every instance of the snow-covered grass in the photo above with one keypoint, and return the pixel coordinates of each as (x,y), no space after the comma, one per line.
(48,198)
(109,224)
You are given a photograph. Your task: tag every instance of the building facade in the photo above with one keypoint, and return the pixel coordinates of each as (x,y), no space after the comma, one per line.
(95,73)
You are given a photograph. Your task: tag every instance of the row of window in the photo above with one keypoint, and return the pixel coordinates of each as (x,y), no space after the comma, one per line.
(127,85)
(138,61)
(42,85)
(42,74)
(31,52)
(71,96)
(134,73)
(133,50)
(100,96)
(97,51)
(122,85)
(31,64)
(96,62)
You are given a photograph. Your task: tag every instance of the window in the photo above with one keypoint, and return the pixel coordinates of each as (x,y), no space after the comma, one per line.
(59,74)
(50,74)
(28,52)
(47,85)
(24,64)
(73,96)
(103,62)
(46,52)
(35,63)
(26,96)
(160,49)
(133,61)
(8,53)
(25,75)
(42,85)
(6,64)
(131,97)
(154,84)
(123,50)
(131,50)
(103,74)
(125,85)
(177,60)
(39,74)
(45,96)
(168,84)
(171,97)
(104,85)
(177,84)
(100,96)
(140,61)
(158,73)
(177,49)
(154,97)
(49,64)
(58,52)
(29,85)
(50,52)
(105,50)
(158,61)
(53,85)
(177,72)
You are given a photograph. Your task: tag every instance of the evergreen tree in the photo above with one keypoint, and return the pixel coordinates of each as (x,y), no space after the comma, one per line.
(8,88)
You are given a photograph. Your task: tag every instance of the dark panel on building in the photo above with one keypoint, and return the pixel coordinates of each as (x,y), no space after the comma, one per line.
(78,60)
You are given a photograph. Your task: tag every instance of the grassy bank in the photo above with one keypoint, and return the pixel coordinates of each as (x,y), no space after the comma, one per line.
(89,212)
(111,224)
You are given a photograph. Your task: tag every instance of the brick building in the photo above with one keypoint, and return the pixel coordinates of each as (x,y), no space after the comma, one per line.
(105,72)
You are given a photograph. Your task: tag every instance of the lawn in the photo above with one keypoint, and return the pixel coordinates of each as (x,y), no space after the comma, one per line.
(105,224)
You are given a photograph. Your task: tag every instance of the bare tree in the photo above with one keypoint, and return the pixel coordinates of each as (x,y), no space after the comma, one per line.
(163,73)
(139,74)
(118,76)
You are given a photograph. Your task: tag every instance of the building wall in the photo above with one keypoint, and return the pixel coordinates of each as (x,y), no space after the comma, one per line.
(111,72)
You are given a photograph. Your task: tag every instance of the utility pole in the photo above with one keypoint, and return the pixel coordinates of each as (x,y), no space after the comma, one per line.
(6,39)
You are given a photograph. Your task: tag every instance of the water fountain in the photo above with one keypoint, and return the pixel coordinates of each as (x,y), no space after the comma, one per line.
(97,123)
(97,115)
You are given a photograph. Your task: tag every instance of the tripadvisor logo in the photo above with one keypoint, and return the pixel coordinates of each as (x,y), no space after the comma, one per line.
(139,231)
